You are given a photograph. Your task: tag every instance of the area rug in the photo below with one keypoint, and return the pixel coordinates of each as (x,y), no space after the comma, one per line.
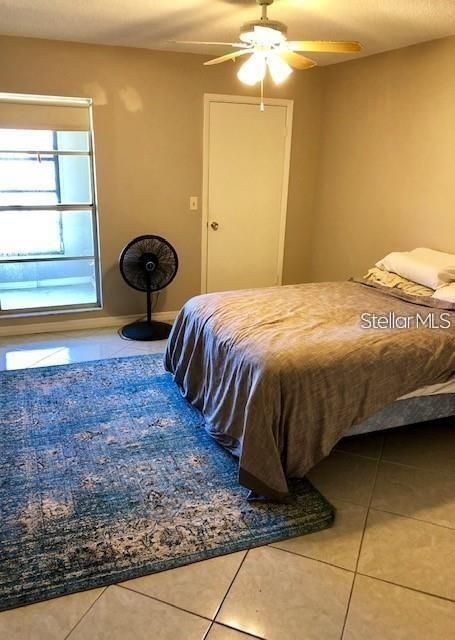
(107,474)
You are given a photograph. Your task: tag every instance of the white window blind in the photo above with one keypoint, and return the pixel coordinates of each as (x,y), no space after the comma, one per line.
(49,113)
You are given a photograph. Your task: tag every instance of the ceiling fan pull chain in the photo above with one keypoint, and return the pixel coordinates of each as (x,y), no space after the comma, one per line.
(262,107)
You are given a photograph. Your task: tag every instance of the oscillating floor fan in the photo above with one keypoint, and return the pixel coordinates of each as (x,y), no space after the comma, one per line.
(149,264)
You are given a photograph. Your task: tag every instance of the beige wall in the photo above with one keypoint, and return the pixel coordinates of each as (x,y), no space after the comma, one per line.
(386,178)
(148,125)
(372,167)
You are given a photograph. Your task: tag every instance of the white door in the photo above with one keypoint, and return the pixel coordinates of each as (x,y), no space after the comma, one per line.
(246,167)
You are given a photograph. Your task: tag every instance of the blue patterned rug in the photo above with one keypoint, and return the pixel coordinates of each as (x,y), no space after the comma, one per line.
(106,474)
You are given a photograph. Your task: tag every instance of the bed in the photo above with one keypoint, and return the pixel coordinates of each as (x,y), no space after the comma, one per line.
(282,374)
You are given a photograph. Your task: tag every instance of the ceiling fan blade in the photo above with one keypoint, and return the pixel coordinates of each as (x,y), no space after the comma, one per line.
(228,56)
(297,61)
(325,46)
(239,45)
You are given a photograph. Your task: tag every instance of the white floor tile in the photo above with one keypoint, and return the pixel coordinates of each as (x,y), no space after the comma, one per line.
(428,446)
(28,339)
(72,346)
(425,495)
(281,596)
(409,553)
(199,587)
(339,545)
(381,611)
(50,620)
(121,614)
(345,477)
(219,632)
(19,357)
(368,444)
(51,349)
(79,353)
(141,349)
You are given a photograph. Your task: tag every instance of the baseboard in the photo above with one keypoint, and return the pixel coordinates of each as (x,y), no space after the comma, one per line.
(79,324)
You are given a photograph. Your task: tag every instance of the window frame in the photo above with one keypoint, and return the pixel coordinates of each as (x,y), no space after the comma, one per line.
(60,208)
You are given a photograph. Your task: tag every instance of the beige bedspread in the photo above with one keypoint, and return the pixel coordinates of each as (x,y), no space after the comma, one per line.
(281,374)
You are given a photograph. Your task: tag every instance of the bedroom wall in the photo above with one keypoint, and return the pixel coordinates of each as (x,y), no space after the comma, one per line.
(387,164)
(148,118)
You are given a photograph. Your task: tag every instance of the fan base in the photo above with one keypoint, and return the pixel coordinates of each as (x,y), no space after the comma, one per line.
(146,331)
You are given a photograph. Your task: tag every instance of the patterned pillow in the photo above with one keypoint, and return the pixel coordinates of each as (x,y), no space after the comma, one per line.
(389,279)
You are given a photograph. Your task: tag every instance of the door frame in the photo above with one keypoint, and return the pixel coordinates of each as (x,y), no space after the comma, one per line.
(214,97)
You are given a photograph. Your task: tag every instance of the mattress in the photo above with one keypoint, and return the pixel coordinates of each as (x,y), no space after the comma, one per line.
(428,403)
(409,411)
(432,390)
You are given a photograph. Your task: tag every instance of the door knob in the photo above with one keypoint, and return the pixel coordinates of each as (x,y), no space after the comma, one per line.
(214,226)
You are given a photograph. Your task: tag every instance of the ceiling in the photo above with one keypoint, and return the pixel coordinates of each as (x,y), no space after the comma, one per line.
(380,25)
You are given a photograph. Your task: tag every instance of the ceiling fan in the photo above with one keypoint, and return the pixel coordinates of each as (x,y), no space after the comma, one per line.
(266,43)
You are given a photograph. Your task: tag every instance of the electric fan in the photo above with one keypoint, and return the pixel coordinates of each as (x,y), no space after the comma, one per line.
(148,263)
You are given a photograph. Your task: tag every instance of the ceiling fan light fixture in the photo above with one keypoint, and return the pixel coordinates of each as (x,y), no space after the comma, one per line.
(253,70)
(272,35)
(265,42)
(279,69)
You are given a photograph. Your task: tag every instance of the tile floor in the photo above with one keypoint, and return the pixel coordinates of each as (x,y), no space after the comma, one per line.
(385,571)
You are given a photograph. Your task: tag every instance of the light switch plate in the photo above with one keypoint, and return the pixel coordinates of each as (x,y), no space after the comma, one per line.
(194,203)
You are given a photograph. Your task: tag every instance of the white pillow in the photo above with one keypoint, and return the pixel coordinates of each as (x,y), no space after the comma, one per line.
(434,257)
(446,293)
(424,266)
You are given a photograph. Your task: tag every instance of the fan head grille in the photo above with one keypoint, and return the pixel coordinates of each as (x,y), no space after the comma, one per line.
(148,263)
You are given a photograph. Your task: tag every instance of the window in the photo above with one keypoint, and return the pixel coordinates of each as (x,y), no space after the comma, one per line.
(48,226)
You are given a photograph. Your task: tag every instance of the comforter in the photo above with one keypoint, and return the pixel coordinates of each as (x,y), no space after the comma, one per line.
(281,374)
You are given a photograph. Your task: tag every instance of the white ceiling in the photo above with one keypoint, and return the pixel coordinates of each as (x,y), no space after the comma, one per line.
(379,24)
